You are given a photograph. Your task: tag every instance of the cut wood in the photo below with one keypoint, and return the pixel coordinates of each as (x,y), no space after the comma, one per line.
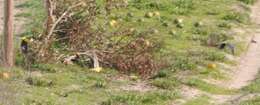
(91,54)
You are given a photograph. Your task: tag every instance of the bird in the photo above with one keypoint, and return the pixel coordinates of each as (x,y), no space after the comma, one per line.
(28,58)
(24,45)
(230,46)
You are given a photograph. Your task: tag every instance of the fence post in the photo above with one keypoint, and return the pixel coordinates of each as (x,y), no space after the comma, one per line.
(8,53)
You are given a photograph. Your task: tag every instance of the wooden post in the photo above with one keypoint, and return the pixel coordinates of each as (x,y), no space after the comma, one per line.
(8,58)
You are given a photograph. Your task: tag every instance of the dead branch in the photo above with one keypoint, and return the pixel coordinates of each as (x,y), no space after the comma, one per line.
(91,54)
(60,18)
(51,25)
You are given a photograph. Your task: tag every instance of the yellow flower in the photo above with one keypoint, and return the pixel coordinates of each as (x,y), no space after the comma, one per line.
(157,13)
(149,14)
(113,23)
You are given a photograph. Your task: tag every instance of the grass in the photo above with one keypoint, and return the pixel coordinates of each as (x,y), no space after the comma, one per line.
(35,13)
(254,101)
(75,85)
(210,88)
(166,83)
(248,1)
(184,47)
(70,85)
(151,98)
(202,100)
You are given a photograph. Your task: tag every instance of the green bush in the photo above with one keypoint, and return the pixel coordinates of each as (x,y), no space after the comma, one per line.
(161,74)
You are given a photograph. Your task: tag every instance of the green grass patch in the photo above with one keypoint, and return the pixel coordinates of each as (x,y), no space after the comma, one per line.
(34,11)
(166,83)
(207,87)
(202,100)
(150,98)
(212,73)
(254,101)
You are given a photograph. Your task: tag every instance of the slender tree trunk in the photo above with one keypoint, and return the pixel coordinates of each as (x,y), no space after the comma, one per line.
(8,58)
(44,48)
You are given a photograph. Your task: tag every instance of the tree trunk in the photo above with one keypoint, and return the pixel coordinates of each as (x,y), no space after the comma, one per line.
(8,53)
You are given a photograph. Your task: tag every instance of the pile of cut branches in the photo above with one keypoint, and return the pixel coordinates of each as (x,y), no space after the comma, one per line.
(71,30)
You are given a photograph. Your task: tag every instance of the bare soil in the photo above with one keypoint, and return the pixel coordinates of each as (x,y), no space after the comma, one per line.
(249,63)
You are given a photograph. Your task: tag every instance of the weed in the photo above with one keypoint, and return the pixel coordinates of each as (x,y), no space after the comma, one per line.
(100,84)
(161,74)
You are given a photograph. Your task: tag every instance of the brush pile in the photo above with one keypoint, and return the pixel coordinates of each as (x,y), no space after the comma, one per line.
(72,29)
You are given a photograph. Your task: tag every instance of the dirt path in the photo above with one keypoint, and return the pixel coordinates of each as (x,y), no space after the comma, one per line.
(249,63)
(248,66)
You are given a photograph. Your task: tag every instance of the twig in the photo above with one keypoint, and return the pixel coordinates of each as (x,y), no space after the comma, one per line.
(60,18)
